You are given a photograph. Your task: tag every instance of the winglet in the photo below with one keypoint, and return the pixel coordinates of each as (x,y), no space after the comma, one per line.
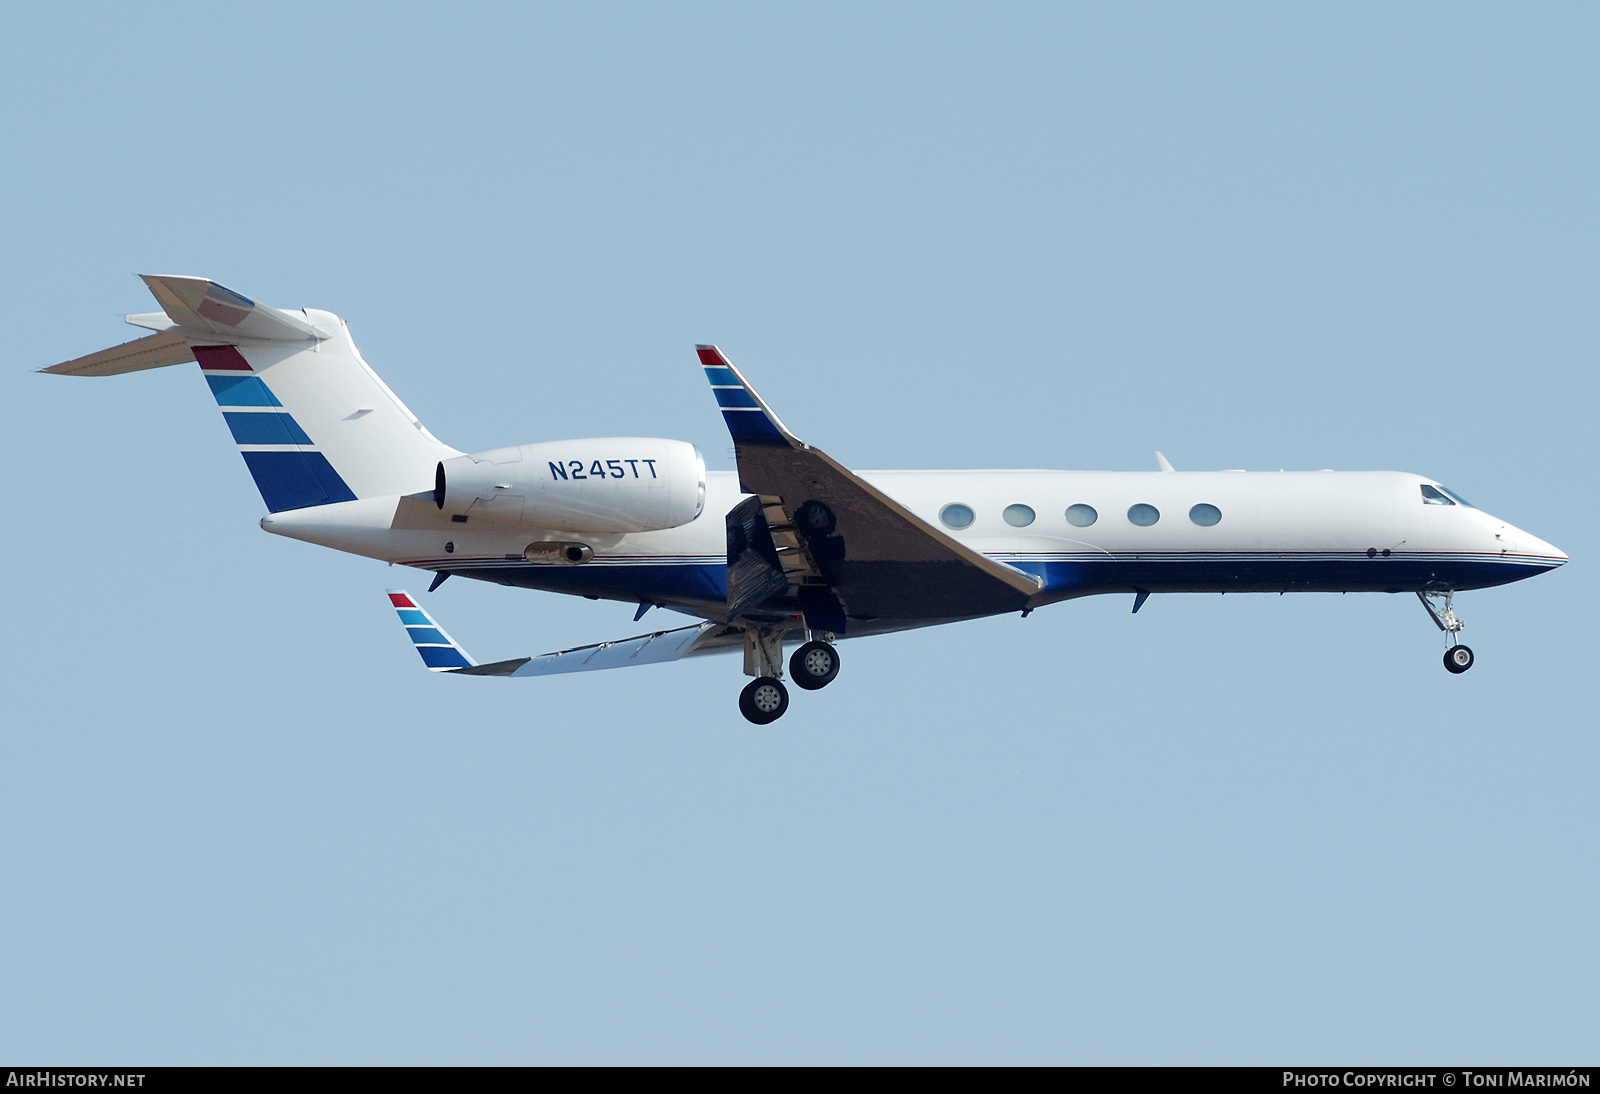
(1163,463)
(750,420)
(439,651)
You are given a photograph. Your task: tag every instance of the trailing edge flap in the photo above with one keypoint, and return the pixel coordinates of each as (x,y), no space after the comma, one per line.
(646,649)
(441,653)
(754,572)
(155,351)
(882,559)
(204,309)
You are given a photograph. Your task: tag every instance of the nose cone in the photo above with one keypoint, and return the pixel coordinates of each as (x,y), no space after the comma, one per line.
(1526,547)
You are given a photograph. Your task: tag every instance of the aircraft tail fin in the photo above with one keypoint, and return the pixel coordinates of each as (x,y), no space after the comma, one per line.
(314,423)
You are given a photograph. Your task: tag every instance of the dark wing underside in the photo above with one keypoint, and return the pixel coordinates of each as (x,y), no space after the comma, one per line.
(877,557)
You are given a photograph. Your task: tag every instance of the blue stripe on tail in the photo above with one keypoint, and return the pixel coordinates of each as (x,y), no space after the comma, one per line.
(265,429)
(296,480)
(437,649)
(241,391)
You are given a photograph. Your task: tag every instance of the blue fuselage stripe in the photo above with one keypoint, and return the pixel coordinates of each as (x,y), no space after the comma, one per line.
(706,581)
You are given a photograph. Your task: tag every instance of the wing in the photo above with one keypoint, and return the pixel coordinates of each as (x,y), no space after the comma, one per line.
(877,557)
(441,653)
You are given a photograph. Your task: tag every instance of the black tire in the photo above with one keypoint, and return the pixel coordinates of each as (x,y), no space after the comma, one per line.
(814,665)
(815,519)
(764,700)
(1458,659)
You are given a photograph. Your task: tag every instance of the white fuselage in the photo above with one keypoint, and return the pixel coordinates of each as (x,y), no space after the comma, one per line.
(1267,531)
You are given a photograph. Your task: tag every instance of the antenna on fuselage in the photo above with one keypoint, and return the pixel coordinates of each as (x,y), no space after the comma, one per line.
(1163,463)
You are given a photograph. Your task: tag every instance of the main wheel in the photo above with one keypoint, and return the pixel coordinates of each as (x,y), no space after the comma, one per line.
(1458,659)
(764,700)
(814,665)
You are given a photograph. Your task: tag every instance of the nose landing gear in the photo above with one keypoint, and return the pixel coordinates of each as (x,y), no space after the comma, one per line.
(1457,658)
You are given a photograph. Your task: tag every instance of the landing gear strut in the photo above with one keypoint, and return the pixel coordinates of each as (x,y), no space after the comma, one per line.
(764,699)
(1457,658)
(813,666)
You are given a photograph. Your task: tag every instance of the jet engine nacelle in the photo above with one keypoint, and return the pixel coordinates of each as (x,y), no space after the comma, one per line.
(598,484)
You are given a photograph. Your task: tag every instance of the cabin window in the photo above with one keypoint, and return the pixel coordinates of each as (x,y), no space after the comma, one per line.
(1205,515)
(1081,516)
(1018,516)
(1143,515)
(956,515)
(1432,495)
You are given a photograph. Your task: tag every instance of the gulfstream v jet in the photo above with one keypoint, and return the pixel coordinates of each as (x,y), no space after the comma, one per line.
(792,549)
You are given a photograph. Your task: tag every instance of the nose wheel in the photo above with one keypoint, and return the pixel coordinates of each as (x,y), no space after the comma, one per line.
(1457,658)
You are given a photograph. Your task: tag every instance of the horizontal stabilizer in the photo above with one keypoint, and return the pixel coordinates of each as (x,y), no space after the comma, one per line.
(201,307)
(156,351)
(441,653)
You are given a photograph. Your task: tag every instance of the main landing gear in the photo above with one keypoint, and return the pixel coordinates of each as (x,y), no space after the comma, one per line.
(813,666)
(764,700)
(1457,658)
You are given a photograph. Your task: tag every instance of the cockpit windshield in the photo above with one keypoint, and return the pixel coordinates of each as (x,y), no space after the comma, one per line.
(1439,495)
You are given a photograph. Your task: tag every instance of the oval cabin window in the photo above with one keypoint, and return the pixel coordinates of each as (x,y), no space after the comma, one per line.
(956,516)
(1205,515)
(1081,516)
(1018,516)
(1143,515)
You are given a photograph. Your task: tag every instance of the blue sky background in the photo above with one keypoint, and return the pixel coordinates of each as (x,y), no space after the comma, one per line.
(240,824)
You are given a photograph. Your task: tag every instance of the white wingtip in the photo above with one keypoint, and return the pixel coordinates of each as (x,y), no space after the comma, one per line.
(1163,463)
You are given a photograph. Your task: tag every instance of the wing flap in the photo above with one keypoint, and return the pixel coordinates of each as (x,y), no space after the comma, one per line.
(646,649)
